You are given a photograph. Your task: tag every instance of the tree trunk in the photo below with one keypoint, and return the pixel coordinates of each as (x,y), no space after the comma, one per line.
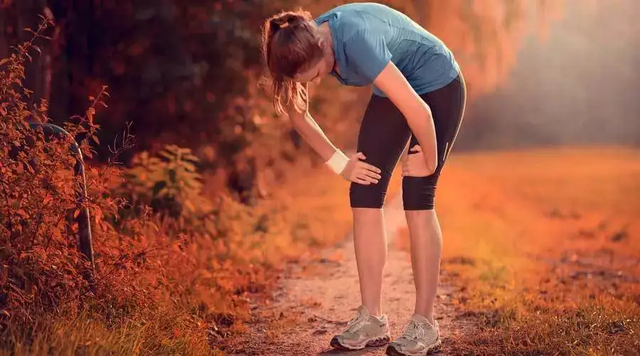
(37,71)
(6,31)
(74,59)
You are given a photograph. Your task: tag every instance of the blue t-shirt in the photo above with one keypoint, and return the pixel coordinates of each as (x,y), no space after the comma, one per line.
(367,35)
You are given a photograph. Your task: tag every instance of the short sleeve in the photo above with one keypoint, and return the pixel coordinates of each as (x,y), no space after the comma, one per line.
(367,53)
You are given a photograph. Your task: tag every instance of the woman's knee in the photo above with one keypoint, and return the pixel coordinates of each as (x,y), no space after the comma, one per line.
(418,193)
(367,196)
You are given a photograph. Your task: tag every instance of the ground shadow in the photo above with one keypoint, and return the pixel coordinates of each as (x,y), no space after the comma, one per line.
(350,353)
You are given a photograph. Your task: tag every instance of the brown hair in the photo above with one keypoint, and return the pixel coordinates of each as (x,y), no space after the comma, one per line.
(289,44)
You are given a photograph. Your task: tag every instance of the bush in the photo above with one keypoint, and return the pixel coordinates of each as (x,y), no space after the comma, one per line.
(41,271)
(176,256)
(40,263)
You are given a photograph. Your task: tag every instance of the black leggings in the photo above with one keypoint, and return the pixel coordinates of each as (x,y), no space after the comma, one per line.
(384,134)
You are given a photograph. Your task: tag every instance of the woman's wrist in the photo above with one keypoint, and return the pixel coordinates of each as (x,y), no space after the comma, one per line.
(337,162)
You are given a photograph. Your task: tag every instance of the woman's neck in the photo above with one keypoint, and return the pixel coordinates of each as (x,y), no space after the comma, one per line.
(325,30)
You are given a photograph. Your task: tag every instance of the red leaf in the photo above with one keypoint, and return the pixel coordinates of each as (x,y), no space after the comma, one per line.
(90,113)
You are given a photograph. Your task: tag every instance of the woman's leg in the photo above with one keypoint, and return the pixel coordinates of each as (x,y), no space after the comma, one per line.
(382,138)
(447,105)
(370,242)
(426,246)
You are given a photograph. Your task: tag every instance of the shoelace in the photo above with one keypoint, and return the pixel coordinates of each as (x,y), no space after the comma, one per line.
(414,331)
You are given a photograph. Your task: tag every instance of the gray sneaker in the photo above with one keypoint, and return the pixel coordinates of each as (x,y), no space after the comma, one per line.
(364,330)
(418,339)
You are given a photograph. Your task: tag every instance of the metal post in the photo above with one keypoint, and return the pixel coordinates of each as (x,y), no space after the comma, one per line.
(85,239)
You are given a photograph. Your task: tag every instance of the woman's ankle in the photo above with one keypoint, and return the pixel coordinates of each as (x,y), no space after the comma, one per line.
(373,311)
(428,316)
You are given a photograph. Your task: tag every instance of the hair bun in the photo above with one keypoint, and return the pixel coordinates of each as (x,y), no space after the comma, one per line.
(287,19)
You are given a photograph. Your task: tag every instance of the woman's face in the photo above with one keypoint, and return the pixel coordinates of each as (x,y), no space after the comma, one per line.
(314,73)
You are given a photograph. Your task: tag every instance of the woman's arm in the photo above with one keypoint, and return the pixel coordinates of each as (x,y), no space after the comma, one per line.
(312,134)
(352,169)
(417,113)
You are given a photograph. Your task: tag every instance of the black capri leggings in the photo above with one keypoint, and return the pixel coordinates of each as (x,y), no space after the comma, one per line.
(384,134)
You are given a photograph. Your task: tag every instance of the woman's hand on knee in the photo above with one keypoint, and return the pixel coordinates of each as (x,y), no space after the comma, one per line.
(414,164)
(360,172)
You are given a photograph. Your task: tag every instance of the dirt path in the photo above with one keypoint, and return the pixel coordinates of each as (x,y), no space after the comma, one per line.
(547,259)
(318,297)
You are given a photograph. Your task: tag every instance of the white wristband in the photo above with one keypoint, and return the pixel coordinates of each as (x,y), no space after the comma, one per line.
(337,162)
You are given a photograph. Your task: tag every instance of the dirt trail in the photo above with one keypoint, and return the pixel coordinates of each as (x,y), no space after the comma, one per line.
(317,298)
(561,240)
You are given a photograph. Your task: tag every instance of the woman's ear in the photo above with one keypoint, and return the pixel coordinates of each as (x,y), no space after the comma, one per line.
(322,43)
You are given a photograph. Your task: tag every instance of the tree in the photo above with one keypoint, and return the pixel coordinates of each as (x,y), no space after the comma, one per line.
(19,19)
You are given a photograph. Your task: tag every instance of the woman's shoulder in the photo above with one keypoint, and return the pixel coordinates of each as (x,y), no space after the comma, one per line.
(349,19)
(354,11)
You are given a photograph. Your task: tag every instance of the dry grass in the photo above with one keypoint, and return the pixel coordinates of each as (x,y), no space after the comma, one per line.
(309,210)
(170,332)
(547,244)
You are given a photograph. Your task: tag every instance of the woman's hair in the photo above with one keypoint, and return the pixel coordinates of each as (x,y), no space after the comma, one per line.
(289,45)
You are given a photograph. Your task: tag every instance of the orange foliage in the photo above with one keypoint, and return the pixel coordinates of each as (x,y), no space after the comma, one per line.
(42,270)
(543,249)
(175,261)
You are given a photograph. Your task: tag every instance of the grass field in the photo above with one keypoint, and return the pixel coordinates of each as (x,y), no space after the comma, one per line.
(542,246)
(545,246)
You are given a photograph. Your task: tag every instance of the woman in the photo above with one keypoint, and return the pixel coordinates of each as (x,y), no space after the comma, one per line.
(418,98)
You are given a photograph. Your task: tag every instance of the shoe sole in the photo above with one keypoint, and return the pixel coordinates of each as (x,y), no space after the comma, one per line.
(391,350)
(371,343)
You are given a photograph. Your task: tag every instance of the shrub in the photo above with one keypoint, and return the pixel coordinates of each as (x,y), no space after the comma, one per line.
(41,270)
